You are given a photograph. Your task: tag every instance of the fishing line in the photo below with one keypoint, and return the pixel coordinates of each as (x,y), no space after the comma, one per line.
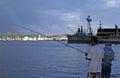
(114,75)
(55,40)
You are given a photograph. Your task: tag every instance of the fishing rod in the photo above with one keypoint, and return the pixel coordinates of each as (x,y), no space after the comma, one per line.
(55,40)
(58,41)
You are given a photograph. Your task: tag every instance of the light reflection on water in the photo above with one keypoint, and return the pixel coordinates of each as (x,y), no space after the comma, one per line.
(45,59)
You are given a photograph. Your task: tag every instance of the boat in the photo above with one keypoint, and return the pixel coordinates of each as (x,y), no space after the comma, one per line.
(104,35)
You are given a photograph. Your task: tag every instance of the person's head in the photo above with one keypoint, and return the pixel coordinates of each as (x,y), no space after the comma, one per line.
(94,40)
(108,44)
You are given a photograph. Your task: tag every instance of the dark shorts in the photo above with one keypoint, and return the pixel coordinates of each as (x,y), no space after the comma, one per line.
(106,70)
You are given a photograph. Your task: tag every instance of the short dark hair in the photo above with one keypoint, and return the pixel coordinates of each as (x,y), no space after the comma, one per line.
(95,39)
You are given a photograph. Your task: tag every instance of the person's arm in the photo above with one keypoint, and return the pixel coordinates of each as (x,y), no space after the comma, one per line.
(88,58)
(89,54)
(113,55)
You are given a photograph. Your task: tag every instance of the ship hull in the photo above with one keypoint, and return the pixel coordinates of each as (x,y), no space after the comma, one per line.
(84,39)
(78,39)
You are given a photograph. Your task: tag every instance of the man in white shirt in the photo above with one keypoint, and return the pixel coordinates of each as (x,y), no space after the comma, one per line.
(95,55)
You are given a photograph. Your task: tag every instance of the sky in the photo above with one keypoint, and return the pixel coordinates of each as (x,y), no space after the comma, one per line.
(57,17)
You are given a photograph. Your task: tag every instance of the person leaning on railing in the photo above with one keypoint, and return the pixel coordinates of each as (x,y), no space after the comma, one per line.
(107,60)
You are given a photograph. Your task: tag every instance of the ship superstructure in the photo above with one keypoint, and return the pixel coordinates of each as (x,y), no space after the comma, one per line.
(104,34)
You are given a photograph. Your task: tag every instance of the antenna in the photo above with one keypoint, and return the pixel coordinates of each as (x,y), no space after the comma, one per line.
(89,30)
(100,24)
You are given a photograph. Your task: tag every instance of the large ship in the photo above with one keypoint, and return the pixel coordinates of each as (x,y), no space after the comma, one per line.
(104,35)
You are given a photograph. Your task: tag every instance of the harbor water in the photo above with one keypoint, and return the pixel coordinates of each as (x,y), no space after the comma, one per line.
(47,59)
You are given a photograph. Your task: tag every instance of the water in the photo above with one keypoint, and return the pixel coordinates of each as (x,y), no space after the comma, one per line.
(46,59)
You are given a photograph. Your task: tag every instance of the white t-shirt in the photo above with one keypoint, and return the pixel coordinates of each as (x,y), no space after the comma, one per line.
(95,53)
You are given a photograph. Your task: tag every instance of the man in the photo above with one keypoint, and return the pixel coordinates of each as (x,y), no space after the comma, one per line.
(95,55)
(107,60)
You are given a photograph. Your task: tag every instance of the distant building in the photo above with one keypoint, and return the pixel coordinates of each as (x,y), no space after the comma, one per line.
(109,31)
(13,36)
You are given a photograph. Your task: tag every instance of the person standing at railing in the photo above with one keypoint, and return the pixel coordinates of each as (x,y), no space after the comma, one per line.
(107,60)
(95,55)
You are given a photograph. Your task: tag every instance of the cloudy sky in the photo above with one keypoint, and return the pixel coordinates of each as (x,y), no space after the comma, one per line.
(53,17)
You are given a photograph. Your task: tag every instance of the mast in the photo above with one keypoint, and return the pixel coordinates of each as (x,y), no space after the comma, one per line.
(116,30)
(89,30)
(100,24)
